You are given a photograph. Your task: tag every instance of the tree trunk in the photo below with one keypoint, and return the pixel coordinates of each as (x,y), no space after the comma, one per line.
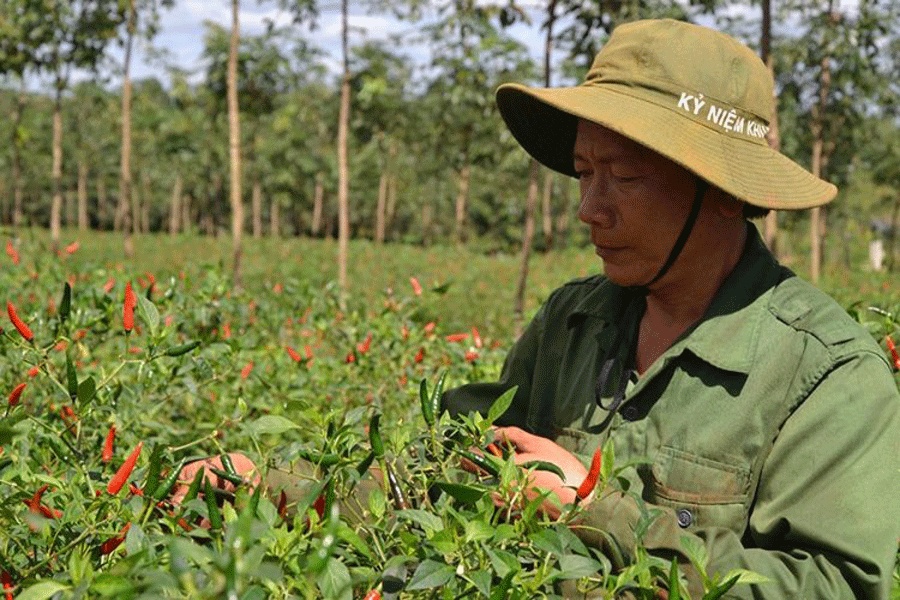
(102,202)
(462,198)
(815,225)
(381,207)
(391,188)
(83,223)
(275,218)
(256,201)
(186,224)
(318,197)
(547,209)
(527,237)
(56,203)
(125,214)
(18,213)
(175,206)
(343,169)
(147,195)
(234,143)
(770,232)
(562,217)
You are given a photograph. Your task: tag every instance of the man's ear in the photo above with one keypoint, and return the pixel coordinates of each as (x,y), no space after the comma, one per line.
(727,205)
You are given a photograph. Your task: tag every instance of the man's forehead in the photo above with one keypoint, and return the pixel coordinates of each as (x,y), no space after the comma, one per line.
(594,141)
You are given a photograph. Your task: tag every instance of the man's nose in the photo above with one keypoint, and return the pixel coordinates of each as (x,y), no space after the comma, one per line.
(596,208)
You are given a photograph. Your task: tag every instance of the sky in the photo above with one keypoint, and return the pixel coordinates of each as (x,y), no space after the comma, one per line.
(181,30)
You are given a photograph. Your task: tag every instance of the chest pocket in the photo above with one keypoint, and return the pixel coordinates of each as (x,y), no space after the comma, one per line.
(703,492)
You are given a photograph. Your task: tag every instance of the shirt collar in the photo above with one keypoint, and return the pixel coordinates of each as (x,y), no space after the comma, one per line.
(726,336)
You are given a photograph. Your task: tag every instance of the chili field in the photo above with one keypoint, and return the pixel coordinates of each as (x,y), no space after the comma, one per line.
(116,372)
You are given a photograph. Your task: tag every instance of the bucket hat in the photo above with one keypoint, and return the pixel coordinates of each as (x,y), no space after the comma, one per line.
(693,94)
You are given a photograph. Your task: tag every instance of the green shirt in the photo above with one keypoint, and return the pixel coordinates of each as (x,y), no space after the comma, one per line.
(771,428)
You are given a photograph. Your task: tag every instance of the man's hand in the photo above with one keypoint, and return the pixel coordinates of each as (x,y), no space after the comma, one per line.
(529,447)
(243,465)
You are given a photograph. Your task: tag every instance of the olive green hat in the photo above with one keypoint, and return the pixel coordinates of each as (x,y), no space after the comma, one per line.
(692,94)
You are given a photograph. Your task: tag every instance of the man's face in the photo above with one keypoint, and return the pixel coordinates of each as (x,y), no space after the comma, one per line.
(635,201)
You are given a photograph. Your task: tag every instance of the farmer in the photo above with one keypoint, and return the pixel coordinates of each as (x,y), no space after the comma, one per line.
(769,419)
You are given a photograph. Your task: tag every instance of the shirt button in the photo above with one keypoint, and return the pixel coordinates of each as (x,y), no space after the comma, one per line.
(630,413)
(685,518)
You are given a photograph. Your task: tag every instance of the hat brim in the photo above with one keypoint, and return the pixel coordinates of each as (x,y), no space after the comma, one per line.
(544,122)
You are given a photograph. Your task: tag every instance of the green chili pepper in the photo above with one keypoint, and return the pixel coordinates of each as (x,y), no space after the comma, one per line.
(212,509)
(322,460)
(425,400)
(194,488)
(71,378)
(227,465)
(65,305)
(375,436)
(153,470)
(318,558)
(436,394)
(401,502)
(254,501)
(235,479)
(182,349)
(542,465)
(364,465)
(163,491)
(481,462)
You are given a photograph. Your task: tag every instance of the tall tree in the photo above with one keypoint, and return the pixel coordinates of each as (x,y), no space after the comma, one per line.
(343,168)
(234,142)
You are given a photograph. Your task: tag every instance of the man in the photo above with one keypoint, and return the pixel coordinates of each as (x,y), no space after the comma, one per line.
(769,420)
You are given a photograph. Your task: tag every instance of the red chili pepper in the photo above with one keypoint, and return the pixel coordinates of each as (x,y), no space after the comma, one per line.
(16,394)
(245,372)
(587,486)
(282,504)
(128,308)
(429,326)
(7,581)
(457,337)
(108,286)
(350,357)
(108,444)
(72,248)
(471,356)
(416,286)
(308,351)
(894,355)
(293,353)
(121,476)
(319,505)
(226,331)
(21,327)
(35,506)
(34,371)
(11,251)
(114,542)
(419,355)
(364,346)
(373,595)
(476,337)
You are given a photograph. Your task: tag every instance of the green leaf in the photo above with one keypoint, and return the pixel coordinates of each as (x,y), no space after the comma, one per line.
(65,304)
(719,590)
(42,590)
(477,531)
(482,581)
(574,566)
(501,404)
(149,313)
(430,522)
(430,574)
(335,582)
(502,561)
(674,584)
(543,465)
(746,577)
(87,389)
(466,494)
(273,424)
(109,585)
(71,378)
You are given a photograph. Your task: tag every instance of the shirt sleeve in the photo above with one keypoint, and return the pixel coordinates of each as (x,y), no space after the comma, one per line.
(826,520)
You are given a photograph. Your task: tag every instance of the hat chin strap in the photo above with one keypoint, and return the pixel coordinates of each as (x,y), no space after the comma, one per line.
(702,186)
(637,303)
